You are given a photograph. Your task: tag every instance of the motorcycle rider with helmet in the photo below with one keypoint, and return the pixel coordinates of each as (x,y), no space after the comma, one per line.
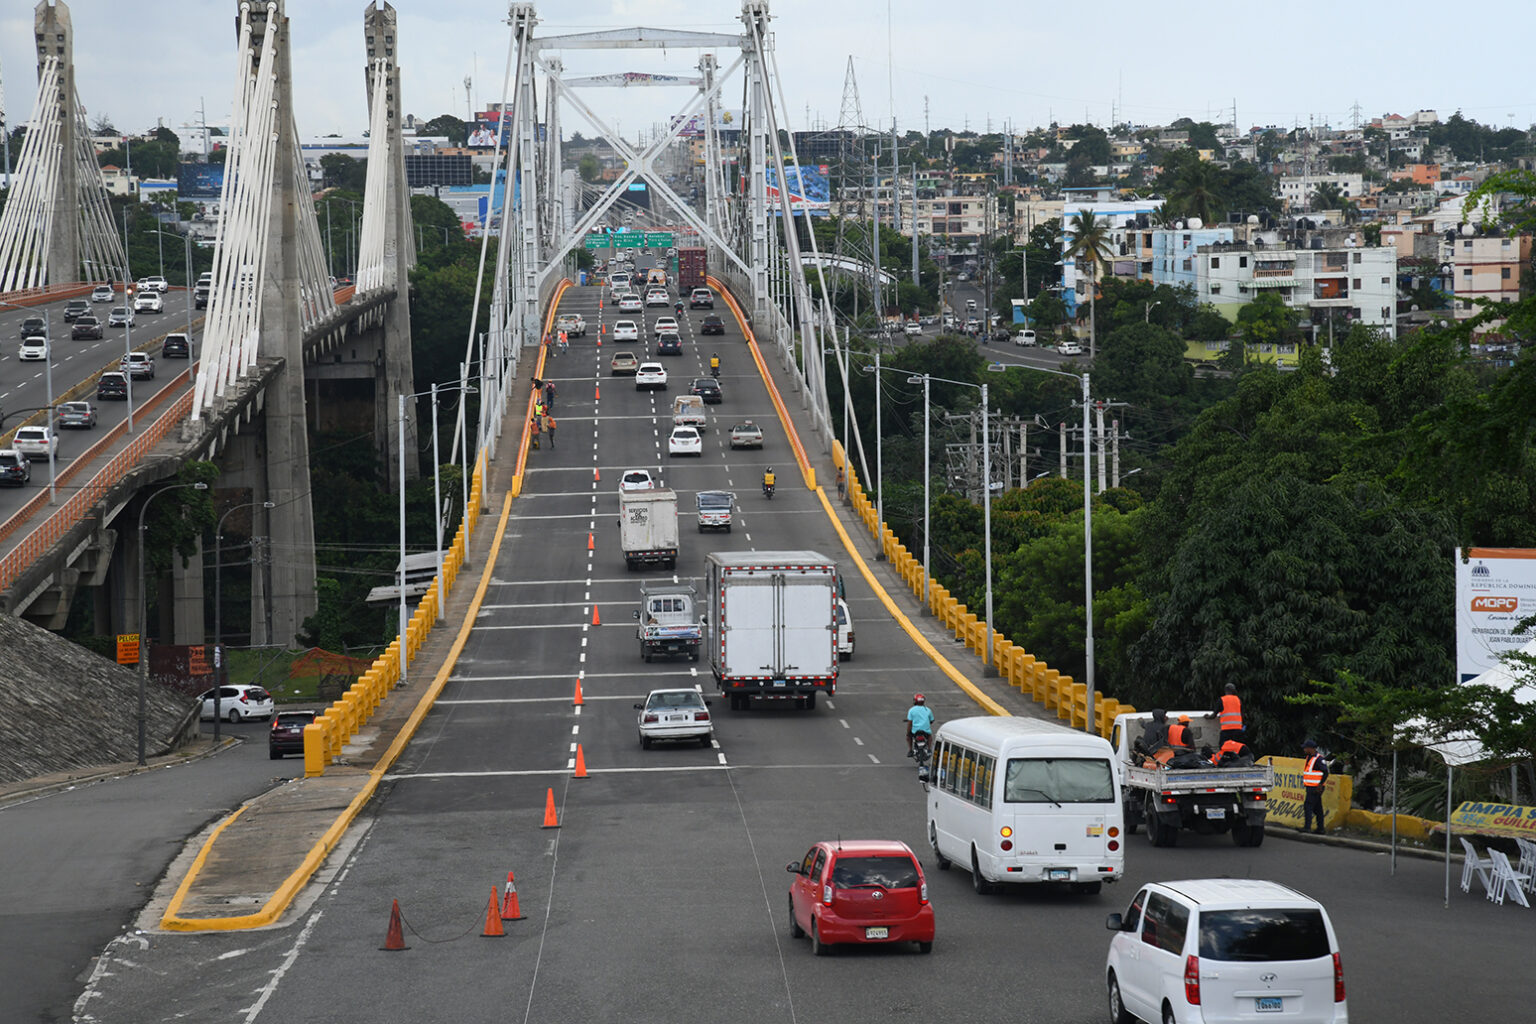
(919,720)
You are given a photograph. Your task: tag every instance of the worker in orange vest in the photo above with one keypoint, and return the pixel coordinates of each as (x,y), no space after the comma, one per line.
(1229,714)
(1179,736)
(1233,752)
(1314,776)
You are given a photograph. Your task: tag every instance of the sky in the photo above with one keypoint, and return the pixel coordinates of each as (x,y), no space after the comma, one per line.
(970,67)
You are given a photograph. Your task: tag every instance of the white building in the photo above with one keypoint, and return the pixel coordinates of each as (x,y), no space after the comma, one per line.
(1361,281)
(1297,191)
(1130,238)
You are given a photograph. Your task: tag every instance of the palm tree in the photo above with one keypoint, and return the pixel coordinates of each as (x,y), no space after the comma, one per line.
(1196,192)
(1090,245)
(1327,196)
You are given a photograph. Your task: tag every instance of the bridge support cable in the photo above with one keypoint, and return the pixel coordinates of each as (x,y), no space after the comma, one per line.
(371,272)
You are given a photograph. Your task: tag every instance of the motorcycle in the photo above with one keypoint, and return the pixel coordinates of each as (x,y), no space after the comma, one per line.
(714,371)
(678,309)
(921,751)
(768,491)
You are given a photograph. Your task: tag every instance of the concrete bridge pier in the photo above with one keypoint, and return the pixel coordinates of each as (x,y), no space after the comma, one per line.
(188,621)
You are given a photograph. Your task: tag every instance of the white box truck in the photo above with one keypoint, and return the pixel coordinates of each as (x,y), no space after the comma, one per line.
(771,625)
(648,527)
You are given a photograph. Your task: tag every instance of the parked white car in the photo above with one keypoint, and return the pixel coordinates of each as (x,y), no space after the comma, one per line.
(685,441)
(33,348)
(238,703)
(626,330)
(911,327)
(1222,950)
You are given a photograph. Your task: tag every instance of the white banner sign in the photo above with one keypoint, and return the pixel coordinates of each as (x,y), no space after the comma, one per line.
(1495,589)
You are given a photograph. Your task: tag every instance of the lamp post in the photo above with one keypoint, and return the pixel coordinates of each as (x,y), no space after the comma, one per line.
(437,507)
(143,609)
(1087,531)
(218,605)
(879,448)
(52,438)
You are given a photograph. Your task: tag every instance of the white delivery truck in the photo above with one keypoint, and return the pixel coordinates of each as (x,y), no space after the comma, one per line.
(648,527)
(771,625)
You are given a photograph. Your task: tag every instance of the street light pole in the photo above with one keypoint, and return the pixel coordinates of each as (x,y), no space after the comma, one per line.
(990,667)
(144,610)
(218,607)
(879,439)
(400,439)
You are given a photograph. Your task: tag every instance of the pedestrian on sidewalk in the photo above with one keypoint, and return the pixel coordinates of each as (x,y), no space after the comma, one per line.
(549,428)
(842,483)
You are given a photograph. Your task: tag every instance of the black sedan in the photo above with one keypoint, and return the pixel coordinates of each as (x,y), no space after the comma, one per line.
(707,388)
(669,345)
(85,327)
(712,324)
(74,309)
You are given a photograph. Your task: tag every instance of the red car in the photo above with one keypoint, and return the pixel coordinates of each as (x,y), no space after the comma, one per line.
(860,891)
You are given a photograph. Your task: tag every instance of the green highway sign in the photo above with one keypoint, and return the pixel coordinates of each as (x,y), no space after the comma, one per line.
(659,240)
(628,240)
(596,241)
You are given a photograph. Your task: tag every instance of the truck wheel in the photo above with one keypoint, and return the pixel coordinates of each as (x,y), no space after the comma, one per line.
(1244,834)
(933,841)
(645,743)
(808,702)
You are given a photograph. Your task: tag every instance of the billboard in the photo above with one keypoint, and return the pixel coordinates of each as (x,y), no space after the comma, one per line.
(199,181)
(809,190)
(693,126)
(1495,589)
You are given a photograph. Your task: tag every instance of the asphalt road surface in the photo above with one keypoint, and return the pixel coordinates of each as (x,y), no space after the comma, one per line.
(24,385)
(662,895)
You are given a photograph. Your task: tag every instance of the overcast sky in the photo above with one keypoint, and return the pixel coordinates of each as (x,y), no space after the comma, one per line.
(969,64)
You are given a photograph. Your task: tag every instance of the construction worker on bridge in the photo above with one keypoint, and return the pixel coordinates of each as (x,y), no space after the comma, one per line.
(1229,714)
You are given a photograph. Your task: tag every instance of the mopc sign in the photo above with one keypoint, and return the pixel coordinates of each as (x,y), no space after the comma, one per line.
(1495,589)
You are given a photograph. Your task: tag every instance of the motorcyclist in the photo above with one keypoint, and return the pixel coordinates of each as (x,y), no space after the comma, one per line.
(768,480)
(919,720)
(714,363)
(679,307)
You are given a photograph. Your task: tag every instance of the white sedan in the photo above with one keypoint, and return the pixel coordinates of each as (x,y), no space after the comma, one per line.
(636,480)
(626,330)
(685,441)
(629,302)
(657,297)
(33,348)
(666,325)
(675,715)
(912,327)
(1069,348)
(649,376)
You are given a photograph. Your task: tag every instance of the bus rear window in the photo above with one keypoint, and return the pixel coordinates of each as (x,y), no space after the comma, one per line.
(1059,780)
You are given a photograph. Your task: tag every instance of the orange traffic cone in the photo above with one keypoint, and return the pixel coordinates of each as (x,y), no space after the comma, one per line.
(578,701)
(589,542)
(595,620)
(493,929)
(581,763)
(596,476)
(509,911)
(550,820)
(597,392)
(395,939)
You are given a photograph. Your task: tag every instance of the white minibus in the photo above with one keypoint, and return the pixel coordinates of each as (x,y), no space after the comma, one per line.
(1021,800)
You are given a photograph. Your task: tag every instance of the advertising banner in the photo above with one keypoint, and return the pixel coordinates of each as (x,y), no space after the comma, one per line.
(1495,819)
(808,191)
(1495,589)
(693,126)
(199,181)
(1286,798)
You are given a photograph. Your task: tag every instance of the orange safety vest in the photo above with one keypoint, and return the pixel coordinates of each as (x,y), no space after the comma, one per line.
(1311,775)
(1177,738)
(1231,716)
(1234,747)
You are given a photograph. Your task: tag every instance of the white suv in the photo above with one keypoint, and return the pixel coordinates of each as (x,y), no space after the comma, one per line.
(1224,949)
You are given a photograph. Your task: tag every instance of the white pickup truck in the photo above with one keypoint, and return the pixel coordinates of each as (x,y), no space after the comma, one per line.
(688,411)
(669,626)
(573,324)
(1204,800)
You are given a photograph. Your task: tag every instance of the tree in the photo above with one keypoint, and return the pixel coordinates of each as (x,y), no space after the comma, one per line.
(103,126)
(341,171)
(1327,196)
(589,167)
(1090,246)
(1195,190)
(452,128)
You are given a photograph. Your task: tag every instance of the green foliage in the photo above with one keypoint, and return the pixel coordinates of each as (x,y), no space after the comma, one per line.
(589,167)
(1199,188)
(176,522)
(446,125)
(149,158)
(341,171)
(1267,320)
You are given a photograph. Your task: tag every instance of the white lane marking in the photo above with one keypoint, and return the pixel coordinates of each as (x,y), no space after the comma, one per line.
(830,705)
(843,722)
(573,748)
(693,672)
(577,709)
(584,629)
(858,741)
(550,625)
(583,674)
(394,777)
(722,757)
(873,759)
(254,1010)
(576,729)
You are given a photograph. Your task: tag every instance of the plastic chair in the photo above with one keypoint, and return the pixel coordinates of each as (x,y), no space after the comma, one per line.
(1480,867)
(1507,881)
(1527,860)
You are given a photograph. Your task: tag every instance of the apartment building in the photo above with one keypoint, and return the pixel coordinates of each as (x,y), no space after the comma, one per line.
(1308,273)
(1485,267)
(1130,237)
(1297,190)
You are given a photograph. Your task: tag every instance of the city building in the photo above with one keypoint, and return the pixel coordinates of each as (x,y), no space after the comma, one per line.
(1130,237)
(1485,267)
(1297,190)
(1319,271)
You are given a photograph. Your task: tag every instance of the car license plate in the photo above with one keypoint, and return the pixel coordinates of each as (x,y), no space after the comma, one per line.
(883,933)
(674,718)
(779,682)
(1060,875)
(1268,1004)
(1215,812)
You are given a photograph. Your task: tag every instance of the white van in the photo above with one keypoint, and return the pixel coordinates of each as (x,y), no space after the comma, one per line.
(1224,949)
(1021,800)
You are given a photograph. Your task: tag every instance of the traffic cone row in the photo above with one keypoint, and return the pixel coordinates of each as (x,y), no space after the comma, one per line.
(509,910)
(578,701)
(581,764)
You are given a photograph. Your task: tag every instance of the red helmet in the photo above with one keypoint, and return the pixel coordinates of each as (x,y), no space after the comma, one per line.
(918,699)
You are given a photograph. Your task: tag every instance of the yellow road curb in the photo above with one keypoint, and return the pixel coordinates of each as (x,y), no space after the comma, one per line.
(278,904)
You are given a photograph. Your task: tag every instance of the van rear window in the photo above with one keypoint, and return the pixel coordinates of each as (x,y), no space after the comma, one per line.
(1257,934)
(865,872)
(1060,780)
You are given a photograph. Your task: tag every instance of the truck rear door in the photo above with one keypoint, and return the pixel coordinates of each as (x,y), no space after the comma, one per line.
(749,638)
(809,633)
